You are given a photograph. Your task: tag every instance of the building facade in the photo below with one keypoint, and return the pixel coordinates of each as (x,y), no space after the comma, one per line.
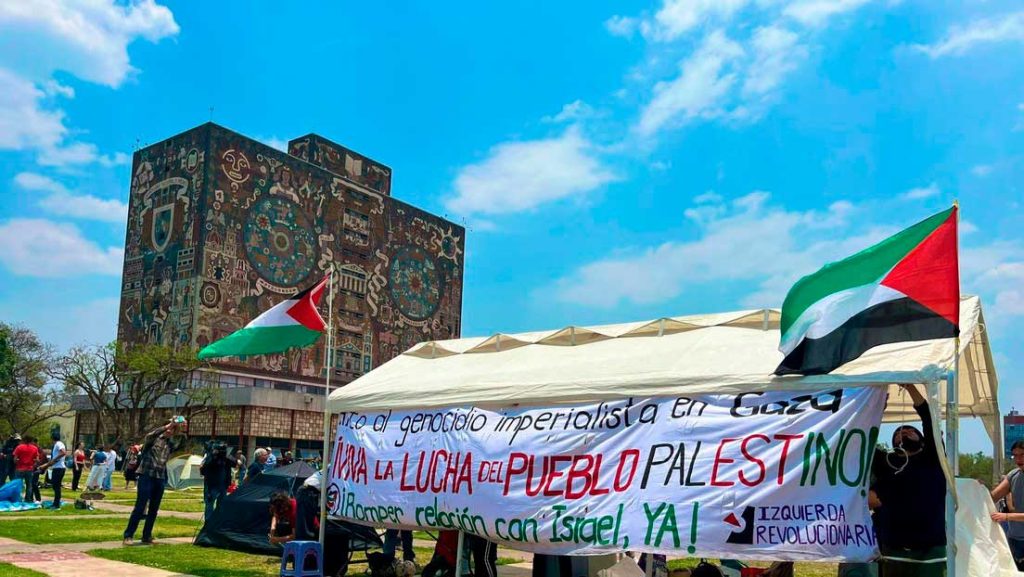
(222,227)
(1013,430)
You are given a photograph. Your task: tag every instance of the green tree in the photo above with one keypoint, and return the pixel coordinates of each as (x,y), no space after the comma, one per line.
(27,397)
(132,388)
(977,466)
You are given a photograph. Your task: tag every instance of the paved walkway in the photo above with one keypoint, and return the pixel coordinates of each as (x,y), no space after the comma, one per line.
(69,559)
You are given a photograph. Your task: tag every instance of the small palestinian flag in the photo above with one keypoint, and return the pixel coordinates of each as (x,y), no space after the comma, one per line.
(288,324)
(905,288)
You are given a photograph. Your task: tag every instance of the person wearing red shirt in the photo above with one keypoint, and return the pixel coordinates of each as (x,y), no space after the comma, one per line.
(282,518)
(25,456)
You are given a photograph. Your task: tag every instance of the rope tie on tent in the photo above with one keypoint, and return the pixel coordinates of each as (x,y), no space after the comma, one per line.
(889,455)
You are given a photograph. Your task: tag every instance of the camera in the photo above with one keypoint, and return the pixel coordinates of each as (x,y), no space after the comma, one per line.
(217,448)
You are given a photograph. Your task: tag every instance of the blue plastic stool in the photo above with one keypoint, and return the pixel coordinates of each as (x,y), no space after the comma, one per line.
(296,552)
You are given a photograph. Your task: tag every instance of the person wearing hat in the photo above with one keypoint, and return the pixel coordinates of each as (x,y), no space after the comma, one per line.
(910,486)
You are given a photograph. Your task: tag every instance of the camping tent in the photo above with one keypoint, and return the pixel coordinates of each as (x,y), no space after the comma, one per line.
(183,472)
(710,353)
(243,519)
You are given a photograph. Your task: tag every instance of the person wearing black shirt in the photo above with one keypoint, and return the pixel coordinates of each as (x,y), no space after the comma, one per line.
(910,486)
(216,472)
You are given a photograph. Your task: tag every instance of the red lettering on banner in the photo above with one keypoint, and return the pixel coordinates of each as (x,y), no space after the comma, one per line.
(753,459)
(551,472)
(785,452)
(618,485)
(719,460)
(350,462)
(438,472)
(581,479)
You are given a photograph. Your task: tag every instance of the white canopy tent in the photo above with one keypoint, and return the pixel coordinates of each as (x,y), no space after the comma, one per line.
(711,353)
(674,356)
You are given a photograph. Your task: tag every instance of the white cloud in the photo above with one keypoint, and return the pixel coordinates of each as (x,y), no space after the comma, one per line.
(817,12)
(25,123)
(708,197)
(621,26)
(704,80)
(777,53)
(575,110)
(521,175)
(967,227)
(677,17)
(960,39)
(982,170)
(43,248)
(996,271)
(747,240)
(63,202)
(922,192)
(88,38)
(77,153)
(274,142)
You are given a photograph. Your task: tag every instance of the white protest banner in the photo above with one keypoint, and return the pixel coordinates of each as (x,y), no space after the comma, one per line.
(773,475)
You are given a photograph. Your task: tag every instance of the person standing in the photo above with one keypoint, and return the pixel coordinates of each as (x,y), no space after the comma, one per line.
(911,490)
(111,464)
(391,539)
(1012,486)
(259,461)
(7,469)
(25,456)
(271,463)
(98,469)
(239,466)
(286,459)
(78,464)
(57,467)
(131,466)
(159,445)
(216,472)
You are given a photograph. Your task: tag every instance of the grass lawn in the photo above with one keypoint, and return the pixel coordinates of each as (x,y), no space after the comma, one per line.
(8,570)
(67,509)
(34,530)
(184,505)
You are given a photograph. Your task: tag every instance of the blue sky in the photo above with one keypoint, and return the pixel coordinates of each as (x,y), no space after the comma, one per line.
(612,161)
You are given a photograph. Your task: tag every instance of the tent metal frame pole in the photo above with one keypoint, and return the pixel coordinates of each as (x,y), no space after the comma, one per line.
(325,463)
(952,458)
(458,554)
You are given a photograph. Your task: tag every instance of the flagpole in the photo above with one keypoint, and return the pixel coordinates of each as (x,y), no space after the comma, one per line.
(953,427)
(329,366)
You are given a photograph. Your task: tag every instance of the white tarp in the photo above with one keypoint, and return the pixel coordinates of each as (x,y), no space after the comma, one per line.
(982,550)
(776,475)
(712,353)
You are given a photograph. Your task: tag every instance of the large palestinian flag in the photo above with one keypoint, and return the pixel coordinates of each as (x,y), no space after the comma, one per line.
(290,323)
(905,288)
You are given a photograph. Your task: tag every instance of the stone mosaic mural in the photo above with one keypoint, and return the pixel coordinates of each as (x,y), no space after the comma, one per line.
(222,227)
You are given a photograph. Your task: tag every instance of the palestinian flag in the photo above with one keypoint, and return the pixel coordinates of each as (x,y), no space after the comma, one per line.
(905,288)
(291,323)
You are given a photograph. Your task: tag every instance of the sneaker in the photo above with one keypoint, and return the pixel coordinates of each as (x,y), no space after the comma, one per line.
(147,542)
(128,541)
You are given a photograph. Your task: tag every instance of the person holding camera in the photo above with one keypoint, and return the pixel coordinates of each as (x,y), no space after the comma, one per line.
(216,472)
(159,445)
